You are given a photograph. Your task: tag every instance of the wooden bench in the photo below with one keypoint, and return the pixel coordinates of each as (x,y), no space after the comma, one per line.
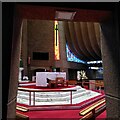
(93,110)
(72,82)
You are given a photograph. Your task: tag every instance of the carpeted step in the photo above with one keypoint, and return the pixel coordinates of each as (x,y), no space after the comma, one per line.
(20,116)
(22,108)
(65,106)
(55,98)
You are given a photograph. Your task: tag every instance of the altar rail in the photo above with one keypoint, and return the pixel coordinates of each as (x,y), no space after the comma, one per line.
(38,90)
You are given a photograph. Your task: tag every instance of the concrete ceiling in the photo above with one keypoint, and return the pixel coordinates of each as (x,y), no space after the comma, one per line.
(44,12)
(82,33)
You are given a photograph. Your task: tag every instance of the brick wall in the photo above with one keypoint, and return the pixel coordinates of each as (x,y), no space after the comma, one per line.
(40,39)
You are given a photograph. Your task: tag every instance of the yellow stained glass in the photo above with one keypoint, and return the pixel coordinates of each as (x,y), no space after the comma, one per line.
(56,42)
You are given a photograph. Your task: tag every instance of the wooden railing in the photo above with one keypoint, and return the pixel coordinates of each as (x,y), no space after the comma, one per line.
(47,90)
(93,110)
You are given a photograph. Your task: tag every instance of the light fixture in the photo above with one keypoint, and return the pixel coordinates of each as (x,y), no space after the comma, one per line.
(94,62)
(64,15)
(94,68)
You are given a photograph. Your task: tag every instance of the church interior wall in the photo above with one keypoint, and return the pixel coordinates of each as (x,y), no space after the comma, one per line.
(111,73)
(40,39)
(38,36)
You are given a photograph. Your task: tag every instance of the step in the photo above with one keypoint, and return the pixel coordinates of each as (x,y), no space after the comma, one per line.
(43,98)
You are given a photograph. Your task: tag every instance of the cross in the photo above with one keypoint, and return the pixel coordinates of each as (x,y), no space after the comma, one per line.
(56,29)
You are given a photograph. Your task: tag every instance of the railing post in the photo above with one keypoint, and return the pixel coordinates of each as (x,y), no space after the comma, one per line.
(71,96)
(29,97)
(34,98)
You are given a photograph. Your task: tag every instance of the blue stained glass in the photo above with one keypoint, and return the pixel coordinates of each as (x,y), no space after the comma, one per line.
(71,57)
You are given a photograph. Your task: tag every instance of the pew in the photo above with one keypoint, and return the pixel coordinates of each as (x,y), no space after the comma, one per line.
(92,111)
(72,82)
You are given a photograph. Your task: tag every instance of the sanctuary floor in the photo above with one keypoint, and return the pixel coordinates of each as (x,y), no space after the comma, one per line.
(57,104)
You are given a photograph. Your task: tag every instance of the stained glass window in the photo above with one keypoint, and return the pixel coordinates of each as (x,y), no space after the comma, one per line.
(71,57)
(56,41)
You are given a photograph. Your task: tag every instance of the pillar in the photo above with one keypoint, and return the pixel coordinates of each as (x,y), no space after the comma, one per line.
(110,45)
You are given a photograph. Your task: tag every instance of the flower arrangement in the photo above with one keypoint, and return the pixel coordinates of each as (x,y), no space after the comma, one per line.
(83,75)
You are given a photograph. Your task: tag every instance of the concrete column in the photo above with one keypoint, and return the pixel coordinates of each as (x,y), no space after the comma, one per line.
(14,71)
(24,48)
(110,44)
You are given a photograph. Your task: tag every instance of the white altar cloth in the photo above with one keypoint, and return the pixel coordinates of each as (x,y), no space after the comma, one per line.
(41,77)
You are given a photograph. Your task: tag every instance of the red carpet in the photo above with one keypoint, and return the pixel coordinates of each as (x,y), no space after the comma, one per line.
(47,88)
(71,113)
(62,112)
(64,107)
(26,82)
(53,114)
(102,115)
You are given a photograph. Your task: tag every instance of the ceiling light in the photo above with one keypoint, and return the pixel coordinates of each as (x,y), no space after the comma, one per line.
(65,15)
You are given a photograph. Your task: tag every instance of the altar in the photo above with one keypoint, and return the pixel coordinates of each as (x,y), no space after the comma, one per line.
(41,77)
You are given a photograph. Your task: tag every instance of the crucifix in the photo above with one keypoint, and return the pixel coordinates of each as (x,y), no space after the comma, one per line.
(56,29)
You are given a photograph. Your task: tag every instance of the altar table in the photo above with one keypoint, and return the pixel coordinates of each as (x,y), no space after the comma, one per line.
(41,77)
